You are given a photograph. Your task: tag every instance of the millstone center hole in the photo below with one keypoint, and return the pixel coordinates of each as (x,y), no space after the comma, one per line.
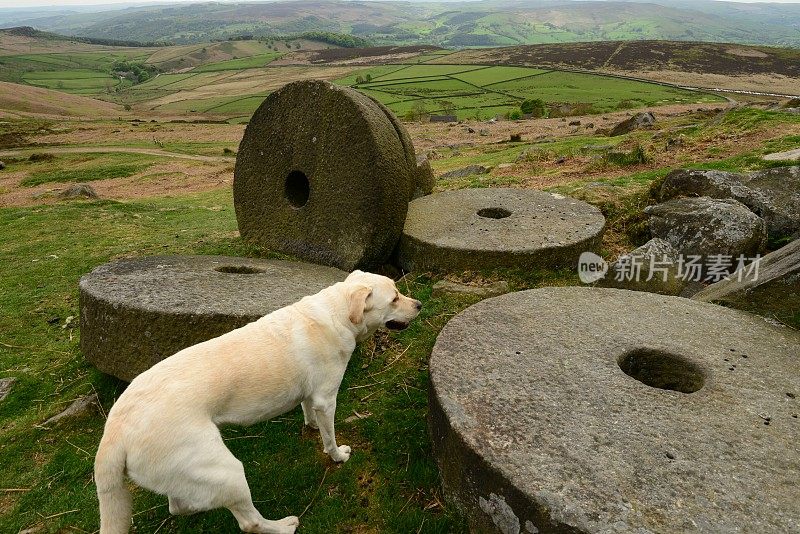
(297,189)
(494,213)
(662,370)
(238,269)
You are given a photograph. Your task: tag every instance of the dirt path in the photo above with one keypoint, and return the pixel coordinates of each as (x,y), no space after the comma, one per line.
(114,150)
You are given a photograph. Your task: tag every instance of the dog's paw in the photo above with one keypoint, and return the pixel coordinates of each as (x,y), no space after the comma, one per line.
(290,523)
(341,454)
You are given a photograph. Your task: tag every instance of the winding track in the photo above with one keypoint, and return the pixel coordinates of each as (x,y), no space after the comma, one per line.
(113,150)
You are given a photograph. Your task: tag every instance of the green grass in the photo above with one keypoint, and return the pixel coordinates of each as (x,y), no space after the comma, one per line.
(96,173)
(72,81)
(85,167)
(494,75)
(38,69)
(423,71)
(253,62)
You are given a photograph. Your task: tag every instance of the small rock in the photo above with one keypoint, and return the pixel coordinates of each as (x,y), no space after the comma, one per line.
(425,179)
(674,142)
(5,386)
(792,103)
(788,155)
(561,160)
(78,191)
(493,289)
(2,165)
(505,165)
(465,171)
(79,407)
(470,130)
(637,122)
(483,131)
(575,123)
(515,138)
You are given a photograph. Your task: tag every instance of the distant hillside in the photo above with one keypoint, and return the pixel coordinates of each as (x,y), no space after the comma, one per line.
(707,58)
(27,31)
(483,23)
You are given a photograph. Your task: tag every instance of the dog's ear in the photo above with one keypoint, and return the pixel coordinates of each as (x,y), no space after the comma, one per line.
(358,303)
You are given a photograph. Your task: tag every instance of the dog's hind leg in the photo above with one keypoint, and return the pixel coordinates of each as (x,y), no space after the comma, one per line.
(211,477)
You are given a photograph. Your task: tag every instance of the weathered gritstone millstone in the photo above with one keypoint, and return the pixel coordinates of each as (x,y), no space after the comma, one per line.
(325,173)
(582,409)
(136,312)
(473,229)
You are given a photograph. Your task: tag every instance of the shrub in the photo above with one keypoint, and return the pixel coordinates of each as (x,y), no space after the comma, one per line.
(534,106)
(514,115)
(634,157)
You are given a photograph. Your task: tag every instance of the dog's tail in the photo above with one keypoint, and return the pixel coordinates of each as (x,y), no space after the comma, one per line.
(109,476)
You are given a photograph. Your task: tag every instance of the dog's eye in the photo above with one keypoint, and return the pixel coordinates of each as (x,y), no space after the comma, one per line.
(396,298)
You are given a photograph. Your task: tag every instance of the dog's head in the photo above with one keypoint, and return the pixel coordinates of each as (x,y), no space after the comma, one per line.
(375,302)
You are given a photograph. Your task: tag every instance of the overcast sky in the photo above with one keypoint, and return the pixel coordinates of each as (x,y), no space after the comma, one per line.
(36,3)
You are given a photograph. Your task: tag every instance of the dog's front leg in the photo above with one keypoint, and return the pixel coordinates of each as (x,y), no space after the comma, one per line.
(324,412)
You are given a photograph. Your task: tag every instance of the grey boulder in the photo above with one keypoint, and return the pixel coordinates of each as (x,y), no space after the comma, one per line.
(637,122)
(78,191)
(706,227)
(773,194)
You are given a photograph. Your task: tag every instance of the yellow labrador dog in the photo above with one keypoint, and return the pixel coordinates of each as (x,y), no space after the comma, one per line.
(162,431)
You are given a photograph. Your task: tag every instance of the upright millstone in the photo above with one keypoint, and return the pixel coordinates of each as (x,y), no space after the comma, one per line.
(473,229)
(324,173)
(587,410)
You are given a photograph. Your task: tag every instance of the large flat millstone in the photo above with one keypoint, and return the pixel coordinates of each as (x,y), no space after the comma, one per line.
(136,312)
(473,229)
(549,413)
(325,173)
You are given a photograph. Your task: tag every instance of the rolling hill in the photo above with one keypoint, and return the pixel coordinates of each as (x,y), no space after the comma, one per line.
(451,24)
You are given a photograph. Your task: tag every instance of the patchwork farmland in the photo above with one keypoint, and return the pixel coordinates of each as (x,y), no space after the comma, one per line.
(228,80)
(476,92)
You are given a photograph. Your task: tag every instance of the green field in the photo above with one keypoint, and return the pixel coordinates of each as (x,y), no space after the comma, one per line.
(79,81)
(254,62)
(482,91)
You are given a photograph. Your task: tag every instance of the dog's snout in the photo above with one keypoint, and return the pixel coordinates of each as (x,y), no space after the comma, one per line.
(418,304)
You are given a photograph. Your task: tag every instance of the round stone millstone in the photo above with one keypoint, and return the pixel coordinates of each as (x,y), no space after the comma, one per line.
(602,410)
(324,173)
(473,229)
(136,312)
